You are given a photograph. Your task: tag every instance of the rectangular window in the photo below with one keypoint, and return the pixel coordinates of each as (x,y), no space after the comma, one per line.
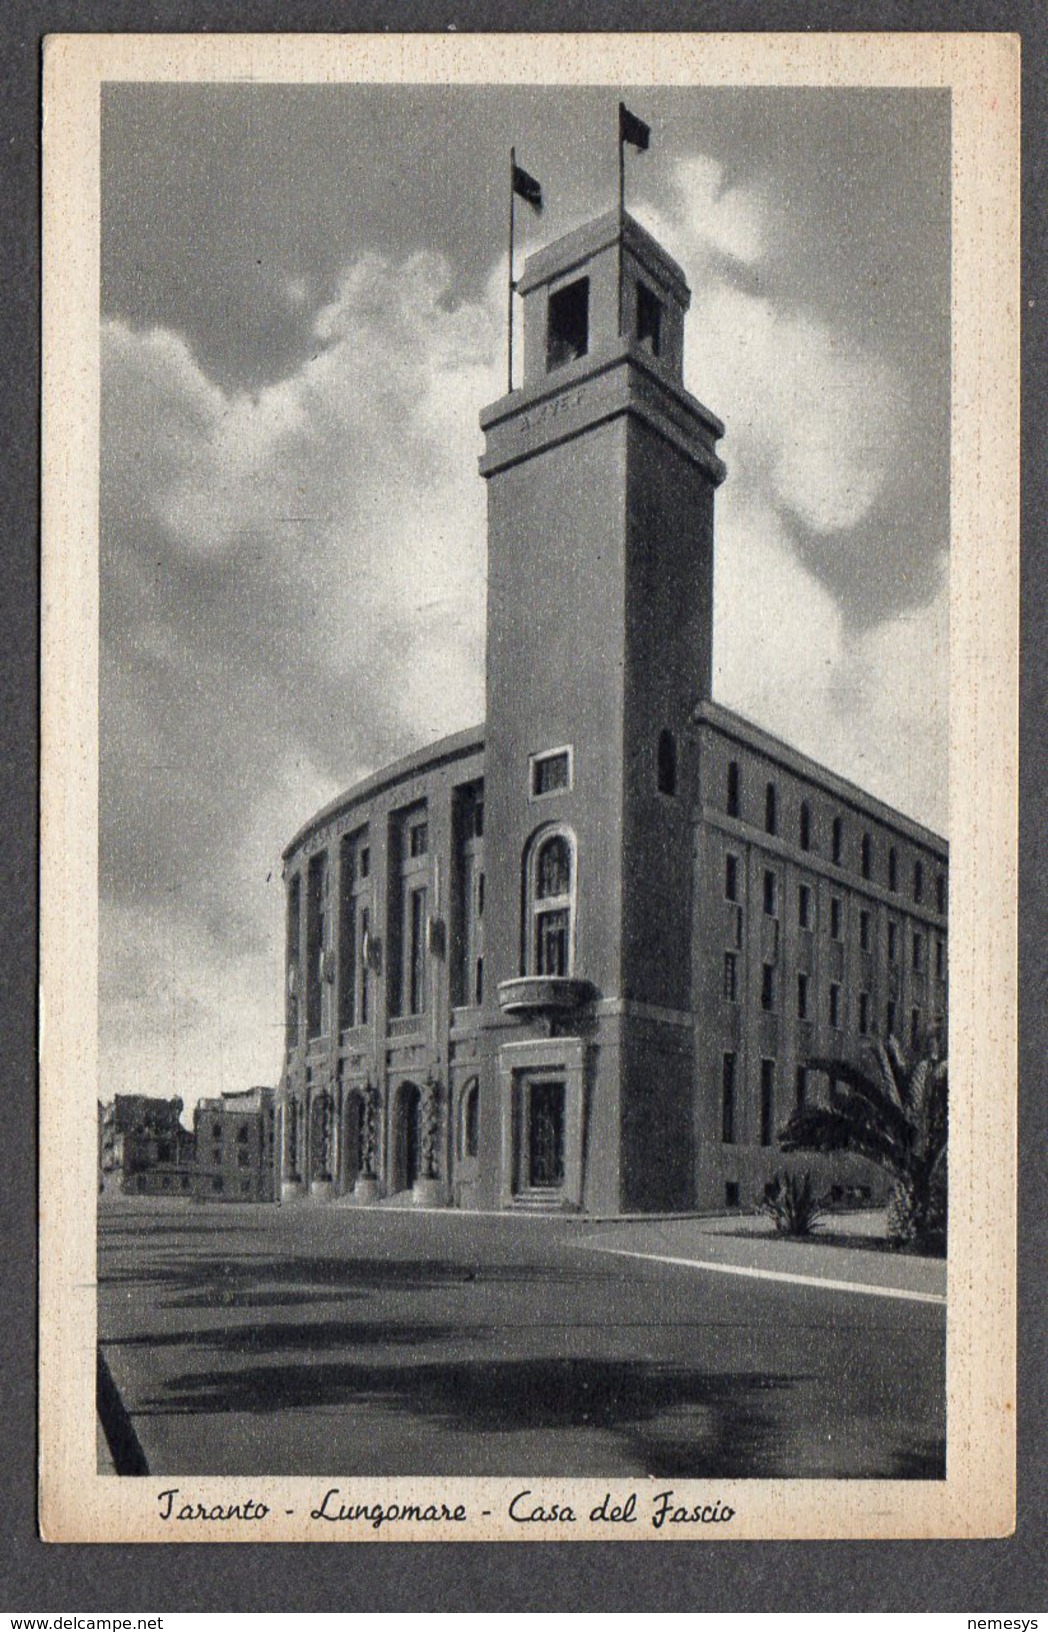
(770,808)
(804,907)
(731,878)
(835,1006)
(768,986)
(767,1101)
(893,869)
(867,855)
(918,882)
(550,773)
(551,929)
(805,826)
(802,996)
(356,894)
(835,917)
(893,942)
(731,976)
(940,893)
(478,988)
(864,1013)
(243,1158)
(728,1100)
(864,931)
(418,839)
(649,319)
(769,893)
(316,943)
(940,959)
(801,1086)
(243,1135)
(918,955)
(417,951)
(567,324)
(838,839)
(738,928)
(734,789)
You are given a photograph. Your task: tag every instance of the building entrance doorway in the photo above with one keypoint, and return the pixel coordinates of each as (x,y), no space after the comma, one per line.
(544,1143)
(407,1143)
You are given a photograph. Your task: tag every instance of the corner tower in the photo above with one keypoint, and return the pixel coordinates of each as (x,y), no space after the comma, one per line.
(601,474)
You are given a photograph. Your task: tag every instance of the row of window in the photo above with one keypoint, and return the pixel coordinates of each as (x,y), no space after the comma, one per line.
(805,917)
(804,1004)
(549,872)
(837,842)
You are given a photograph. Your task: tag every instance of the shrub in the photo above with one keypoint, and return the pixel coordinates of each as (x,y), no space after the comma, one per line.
(790,1203)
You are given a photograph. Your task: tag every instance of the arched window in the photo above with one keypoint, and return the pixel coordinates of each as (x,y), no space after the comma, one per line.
(667,763)
(550,926)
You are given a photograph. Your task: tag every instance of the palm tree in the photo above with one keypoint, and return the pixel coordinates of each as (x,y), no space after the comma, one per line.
(895,1116)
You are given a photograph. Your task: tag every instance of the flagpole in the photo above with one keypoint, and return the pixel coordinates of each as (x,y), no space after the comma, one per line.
(509,326)
(622,211)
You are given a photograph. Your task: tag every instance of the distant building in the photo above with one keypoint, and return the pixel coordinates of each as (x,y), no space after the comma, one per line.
(234,1137)
(580,957)
(144,1150)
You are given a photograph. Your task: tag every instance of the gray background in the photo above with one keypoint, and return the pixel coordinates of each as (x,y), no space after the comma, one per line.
(992,1576)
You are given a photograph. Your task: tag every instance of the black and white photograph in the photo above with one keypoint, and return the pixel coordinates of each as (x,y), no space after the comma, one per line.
(526,876)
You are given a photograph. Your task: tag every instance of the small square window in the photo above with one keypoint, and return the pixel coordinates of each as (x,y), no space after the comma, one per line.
(550,773)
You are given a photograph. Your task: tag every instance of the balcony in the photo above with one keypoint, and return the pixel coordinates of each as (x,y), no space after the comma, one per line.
(544,995)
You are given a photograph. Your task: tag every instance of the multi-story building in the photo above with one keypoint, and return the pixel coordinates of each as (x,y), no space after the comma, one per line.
(580,957)
(143,1147)
(234,1139)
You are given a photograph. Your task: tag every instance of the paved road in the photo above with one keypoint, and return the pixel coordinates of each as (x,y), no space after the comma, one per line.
(309,1339)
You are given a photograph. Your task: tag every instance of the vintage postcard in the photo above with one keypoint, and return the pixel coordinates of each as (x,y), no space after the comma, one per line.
(529,787)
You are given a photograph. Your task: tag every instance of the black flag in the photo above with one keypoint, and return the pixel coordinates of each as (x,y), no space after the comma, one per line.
(527,188)
(633,130)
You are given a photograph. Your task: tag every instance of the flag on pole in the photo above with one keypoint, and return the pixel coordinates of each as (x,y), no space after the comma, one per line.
(633,130)
(527,188)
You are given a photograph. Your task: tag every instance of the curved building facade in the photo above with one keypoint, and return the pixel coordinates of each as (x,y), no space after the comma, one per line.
(579,958)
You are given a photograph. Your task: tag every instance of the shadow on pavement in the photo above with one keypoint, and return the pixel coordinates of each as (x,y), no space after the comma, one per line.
(729,1434)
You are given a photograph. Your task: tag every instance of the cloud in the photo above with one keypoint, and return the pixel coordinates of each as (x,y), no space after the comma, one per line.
(293,592)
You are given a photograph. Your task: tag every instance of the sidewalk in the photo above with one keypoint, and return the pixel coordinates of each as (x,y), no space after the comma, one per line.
(749,1246)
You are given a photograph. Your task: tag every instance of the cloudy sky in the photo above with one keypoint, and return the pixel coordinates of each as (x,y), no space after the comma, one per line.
(303,313)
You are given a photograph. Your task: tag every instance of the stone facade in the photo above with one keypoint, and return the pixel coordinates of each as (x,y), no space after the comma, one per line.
(561,962)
